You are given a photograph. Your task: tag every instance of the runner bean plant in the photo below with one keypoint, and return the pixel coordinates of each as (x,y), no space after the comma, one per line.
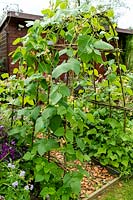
(64,51)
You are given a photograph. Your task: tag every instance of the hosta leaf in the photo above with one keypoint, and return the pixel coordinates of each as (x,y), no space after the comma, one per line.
(72,64)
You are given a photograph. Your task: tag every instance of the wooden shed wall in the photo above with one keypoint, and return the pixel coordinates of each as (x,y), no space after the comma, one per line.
(3,52)
(14,32)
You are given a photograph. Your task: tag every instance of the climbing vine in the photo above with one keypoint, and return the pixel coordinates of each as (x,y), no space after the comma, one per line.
(69,96)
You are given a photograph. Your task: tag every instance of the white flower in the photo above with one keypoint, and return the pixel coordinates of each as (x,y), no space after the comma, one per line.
(15,184)
(10,165)
(22,173)
(31,187)
(26,187)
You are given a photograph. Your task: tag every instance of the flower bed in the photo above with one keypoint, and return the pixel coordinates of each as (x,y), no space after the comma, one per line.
(95,121)
(97,178)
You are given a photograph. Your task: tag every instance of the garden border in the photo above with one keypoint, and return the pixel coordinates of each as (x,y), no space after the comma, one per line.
(103,189)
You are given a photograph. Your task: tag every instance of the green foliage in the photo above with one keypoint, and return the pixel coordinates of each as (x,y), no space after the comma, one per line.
(72,64)
(110,144)
(13,182)
(129,52)
(46,116)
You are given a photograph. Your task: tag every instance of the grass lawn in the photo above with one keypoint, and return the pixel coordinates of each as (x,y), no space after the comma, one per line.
(122,190)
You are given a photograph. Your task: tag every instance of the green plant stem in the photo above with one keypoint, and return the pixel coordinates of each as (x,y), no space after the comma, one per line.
(121,82)
(12,115)
(33,132)
(37,93)
(23,96)
(94,84)
(65,129)
(124,101)
(49,154)
(34,121)
(118,64)
(49,88)
(4,157)
(110,113)
(58,163)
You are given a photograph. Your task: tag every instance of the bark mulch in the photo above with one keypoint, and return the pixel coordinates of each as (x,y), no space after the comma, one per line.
(98,176)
